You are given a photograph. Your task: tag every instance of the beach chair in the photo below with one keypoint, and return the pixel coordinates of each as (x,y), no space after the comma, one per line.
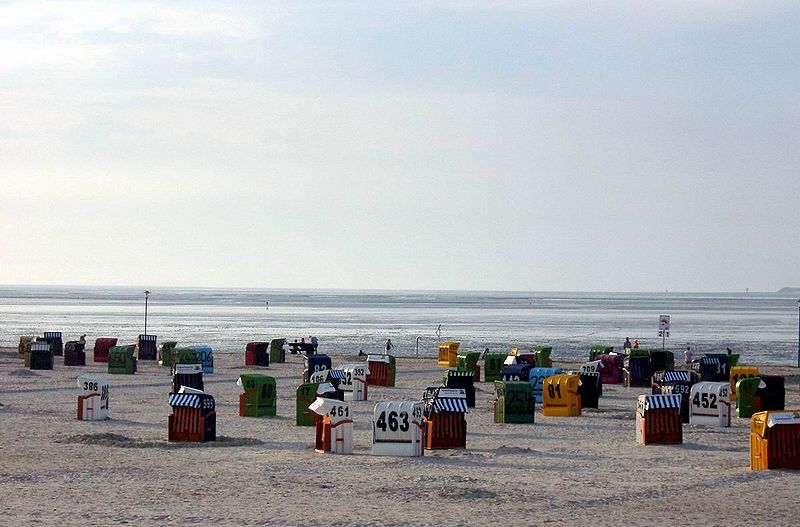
(541,356)
(41,356)
(709,404)
(537,376)
(611,371)
(590,389)
(259,395)
(560,396)
(193,418)
(148,348)
(658,419)
(380,370)
(448,354)
(775,440)
(74,354)
(492,366)
(636,371)
(277,351)
(334,432)
(445,425)
(54,339)
(121,360)
(101,348)
(93,398)
(515,402)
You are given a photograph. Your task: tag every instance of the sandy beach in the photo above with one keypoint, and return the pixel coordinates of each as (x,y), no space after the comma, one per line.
(56,470)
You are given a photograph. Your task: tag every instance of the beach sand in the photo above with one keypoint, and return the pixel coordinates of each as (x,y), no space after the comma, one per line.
(56,470)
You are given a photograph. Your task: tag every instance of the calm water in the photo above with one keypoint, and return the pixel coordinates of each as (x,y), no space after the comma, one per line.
(763,327)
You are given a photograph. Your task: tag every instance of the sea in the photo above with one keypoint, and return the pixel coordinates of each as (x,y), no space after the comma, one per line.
(762,327)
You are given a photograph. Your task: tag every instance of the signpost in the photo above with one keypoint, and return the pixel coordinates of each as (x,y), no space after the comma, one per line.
(663,329)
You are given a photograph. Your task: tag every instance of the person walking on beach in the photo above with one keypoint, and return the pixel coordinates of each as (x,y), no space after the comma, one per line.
(687,355)
(389,347)
(627,344)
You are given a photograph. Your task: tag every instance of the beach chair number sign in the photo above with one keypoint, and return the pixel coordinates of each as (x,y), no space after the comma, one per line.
(554,391)
(359,373)
(319,376)
(397,421)
(339,411)
(94,387)
(707,400)
(520,400)
(266,388)
(681,389)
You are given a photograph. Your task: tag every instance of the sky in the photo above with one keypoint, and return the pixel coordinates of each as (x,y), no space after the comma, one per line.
(537,146)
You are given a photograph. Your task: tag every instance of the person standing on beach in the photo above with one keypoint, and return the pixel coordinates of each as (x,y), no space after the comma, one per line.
(687,355)
(314,343)
(627,344)
(389,347)
(636,344)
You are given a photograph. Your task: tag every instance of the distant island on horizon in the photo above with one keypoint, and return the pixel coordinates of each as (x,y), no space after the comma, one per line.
(793,290)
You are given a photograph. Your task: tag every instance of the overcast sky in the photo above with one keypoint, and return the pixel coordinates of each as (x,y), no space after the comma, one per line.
(620,146)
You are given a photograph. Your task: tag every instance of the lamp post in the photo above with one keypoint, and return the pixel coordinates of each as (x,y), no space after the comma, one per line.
(798,333)
(146,295)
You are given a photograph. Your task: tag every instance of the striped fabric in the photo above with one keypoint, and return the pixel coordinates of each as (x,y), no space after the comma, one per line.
(662,401)
(191,400)
(710,360)
(450,405)
(52,334)
(337,374)
(147,337)
(453,373)
(40,346)
(672,375)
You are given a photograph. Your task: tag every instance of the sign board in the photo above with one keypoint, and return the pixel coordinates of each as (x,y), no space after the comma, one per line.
(663,326)
(188,369)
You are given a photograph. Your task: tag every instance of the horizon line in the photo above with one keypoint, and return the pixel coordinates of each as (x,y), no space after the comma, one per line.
(383,289)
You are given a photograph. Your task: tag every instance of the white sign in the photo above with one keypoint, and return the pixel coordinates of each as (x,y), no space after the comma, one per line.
(663,322)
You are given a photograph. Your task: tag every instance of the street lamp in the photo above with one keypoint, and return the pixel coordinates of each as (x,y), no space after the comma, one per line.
(146,295)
